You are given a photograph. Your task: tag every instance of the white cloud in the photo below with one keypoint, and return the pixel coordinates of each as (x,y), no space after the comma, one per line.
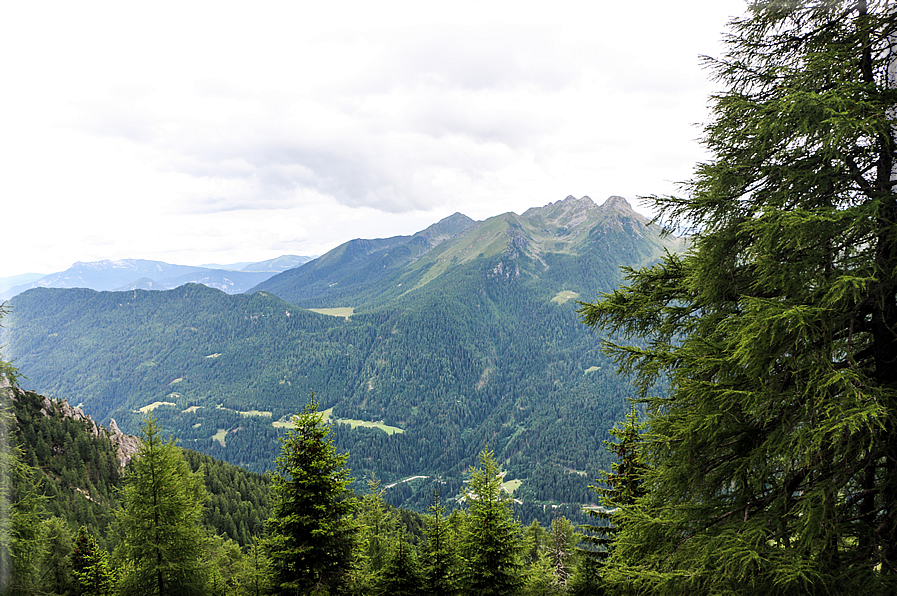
(178,130)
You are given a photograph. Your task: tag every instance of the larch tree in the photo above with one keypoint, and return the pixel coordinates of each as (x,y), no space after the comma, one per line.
(773,458)
(311,532)
(91,567)
(160,523)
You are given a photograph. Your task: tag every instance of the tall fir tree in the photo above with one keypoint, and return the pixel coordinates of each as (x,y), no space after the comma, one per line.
(440,556)
(623,485)
(402,573)
(311,531)
(492,543)
(162,539)
(773,460)
(91,567)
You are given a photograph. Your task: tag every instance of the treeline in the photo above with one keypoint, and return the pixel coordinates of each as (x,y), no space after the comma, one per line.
(92,531)
(482,361)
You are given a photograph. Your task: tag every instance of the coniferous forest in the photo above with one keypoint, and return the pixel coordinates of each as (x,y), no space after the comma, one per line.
(759,454)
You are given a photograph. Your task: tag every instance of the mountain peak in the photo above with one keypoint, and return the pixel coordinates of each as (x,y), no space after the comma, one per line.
(446,228)
(616,203)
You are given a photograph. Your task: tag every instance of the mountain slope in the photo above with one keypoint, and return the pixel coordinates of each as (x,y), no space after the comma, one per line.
(82,467)
(463,335)
(367,274)
(130,274)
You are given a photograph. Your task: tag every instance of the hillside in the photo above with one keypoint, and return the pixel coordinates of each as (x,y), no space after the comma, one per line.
(82,466)
(461,336)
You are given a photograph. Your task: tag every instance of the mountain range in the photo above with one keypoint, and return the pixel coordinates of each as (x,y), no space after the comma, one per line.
(422,349)
(131,274)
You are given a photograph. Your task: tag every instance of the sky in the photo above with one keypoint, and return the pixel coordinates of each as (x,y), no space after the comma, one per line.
(223,132)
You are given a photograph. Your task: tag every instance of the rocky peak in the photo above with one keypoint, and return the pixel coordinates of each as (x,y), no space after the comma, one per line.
(618,205)
(446,228)
(125,445)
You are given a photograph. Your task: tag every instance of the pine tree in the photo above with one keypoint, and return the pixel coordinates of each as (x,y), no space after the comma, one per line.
(162,539)
(91,567)
(56,565)
(623,485)
(492,544)
(440,557)
(402,574)
(773,459)
(311,531)
(375,531)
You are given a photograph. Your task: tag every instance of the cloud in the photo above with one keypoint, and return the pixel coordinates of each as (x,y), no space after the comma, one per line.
(474,58)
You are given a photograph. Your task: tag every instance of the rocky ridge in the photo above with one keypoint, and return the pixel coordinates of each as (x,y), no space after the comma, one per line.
(125,445)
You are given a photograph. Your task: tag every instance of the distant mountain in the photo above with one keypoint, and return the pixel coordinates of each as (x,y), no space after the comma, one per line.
(368,273)
(424,349)
(7,283)
(131,274)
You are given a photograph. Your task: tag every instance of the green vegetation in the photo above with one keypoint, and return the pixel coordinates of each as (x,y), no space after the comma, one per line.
(393,551)
(149,408)
(477,355)
(771,464)
(310,531)
(564,296)
(162,540)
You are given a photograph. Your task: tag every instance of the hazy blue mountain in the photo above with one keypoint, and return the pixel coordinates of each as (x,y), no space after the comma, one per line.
(7,283)
(130,274)
(425,349)
(278,264)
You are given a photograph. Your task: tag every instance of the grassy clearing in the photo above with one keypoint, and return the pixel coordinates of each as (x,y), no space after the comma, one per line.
(154,405)
(345,312)
(254,413)
(562,297)
(511,485)
(246,412)
(328,417)
(220,436)
(591,369)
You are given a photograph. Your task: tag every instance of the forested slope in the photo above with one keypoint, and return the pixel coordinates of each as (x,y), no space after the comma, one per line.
(481,346)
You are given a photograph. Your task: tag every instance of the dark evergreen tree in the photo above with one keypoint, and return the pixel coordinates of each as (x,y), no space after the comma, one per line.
(402,574)
(623,485)
(91,567)
(440,556)
(56,566)
(162,539)
(773,459)
(311,531)
(492,542)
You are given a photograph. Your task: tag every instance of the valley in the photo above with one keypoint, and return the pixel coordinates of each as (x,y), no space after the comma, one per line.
(460,337)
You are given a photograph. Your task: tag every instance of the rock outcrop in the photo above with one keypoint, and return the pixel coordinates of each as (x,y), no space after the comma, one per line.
(125,445)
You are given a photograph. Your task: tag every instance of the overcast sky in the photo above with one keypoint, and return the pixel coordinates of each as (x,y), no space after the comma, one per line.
(218,132)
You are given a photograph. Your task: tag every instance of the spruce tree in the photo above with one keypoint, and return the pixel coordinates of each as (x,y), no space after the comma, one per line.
(773,459)
(492,543)
(622,485)
(311,531)
(440,557)
(91,567)
(402,574)
(162,540)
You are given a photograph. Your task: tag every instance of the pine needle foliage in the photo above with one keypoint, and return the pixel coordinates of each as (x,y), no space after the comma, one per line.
(773,460)
(160,523)
(622,486)
(492,542)
(311,531)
